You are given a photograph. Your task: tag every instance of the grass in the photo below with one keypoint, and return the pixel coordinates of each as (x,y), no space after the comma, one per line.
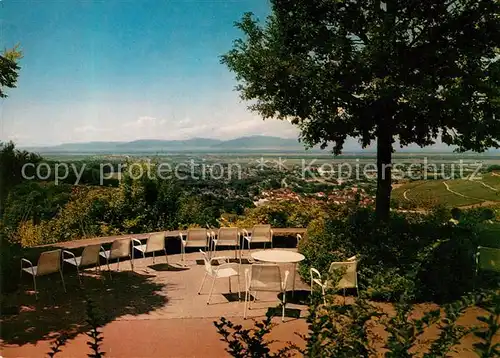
(430,193)
(425,193)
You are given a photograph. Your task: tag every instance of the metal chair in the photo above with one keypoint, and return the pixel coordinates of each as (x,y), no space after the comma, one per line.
(227,236)
(90,256)
(155,243)
(225,270)
(264,278)
(48,262)
(487,259)
(259,234)
(197,237)
(119,249)
(349,278)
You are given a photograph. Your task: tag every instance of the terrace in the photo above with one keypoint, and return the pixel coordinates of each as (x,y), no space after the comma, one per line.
(155,310)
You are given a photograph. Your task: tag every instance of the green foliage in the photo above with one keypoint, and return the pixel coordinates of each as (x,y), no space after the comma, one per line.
(95,335)
(9,69)
(12,162)
(246,343)
(335,69)
(279,214)
(58,343)
(486,348)
(420,257)
(339,330)
(347,331)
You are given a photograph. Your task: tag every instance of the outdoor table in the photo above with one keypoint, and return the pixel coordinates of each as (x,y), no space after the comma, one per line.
(280,256)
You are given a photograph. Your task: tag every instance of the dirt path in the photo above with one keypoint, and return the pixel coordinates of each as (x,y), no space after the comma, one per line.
(487,186)
(456,192)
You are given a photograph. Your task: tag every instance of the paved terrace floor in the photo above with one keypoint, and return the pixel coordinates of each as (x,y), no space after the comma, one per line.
(154,311)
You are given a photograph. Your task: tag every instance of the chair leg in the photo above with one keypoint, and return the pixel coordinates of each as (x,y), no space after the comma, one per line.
(283,310)
(211,290)
(34,285)
(166,256)
(78,274)
(229,278)
(62,279)
(246,304)
(118,265)
(132,262)
(202,282)
(239,293)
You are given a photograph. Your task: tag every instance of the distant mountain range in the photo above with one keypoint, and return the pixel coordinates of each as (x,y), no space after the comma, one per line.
(251,143)
(256,143)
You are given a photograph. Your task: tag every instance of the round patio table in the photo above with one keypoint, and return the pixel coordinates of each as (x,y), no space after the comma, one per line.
(280,257)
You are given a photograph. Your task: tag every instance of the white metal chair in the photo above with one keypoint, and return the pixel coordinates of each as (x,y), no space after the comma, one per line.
(349,278)
(197,237)
(90,256)
(487,259)
(299,239)
(264,278)
(225,270)
(155,243)
(119,249)
(259,234)
(228,236)
(48,262)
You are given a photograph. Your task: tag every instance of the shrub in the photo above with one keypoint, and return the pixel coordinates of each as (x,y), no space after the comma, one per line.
(422,256)
(346,331)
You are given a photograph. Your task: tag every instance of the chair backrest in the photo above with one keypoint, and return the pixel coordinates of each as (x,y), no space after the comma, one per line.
(228,235)
(262,231)
(266,277)
(49,262)
(488,259)
(90,255)
(349,277)
(155,242)
(207,262)
(198,235)
(120,248)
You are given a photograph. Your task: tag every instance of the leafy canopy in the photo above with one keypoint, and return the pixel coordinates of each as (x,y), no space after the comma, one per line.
(9,69)
(416,70)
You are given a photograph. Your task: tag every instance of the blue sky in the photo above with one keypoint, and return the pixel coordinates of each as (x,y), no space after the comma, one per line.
(125,70)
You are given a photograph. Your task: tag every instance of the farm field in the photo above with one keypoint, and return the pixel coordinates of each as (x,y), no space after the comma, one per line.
(451,193)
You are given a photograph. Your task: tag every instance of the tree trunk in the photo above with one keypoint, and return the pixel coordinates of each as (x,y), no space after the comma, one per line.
(384,160)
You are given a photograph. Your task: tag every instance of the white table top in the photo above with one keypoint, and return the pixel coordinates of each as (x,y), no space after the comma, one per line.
(277,256)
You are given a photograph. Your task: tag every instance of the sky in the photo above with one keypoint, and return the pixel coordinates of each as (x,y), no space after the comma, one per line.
(123,70)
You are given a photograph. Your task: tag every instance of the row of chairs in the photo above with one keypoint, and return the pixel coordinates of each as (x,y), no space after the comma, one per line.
(225,236)
(51,261)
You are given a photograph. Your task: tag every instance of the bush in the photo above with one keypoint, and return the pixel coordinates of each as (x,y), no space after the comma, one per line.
(347,331)
(423,256)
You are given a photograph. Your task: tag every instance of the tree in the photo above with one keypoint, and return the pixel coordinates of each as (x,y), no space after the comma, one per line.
(412,71)
(12,162)
(9,69)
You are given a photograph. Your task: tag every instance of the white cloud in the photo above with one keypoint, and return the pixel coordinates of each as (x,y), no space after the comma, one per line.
(90,129)
(49,123)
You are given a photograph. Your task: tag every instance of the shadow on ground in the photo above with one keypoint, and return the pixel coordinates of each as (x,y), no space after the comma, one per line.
(25,320)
